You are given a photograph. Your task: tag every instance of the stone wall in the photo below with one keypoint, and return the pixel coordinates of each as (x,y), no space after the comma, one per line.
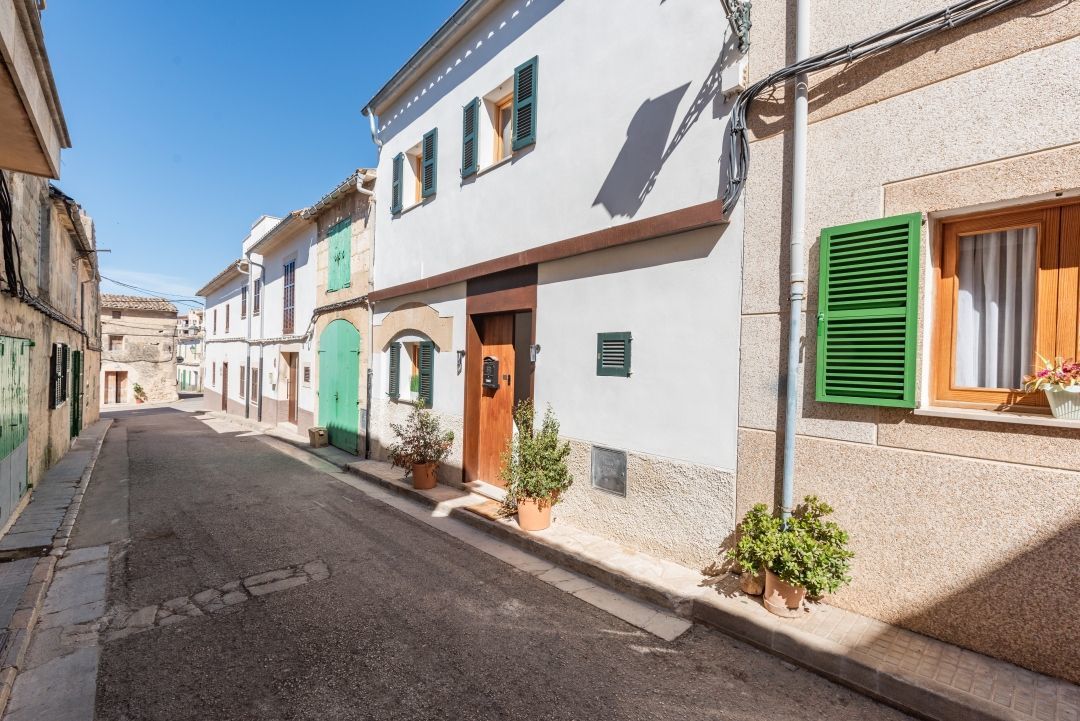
(965,530)
(148,352)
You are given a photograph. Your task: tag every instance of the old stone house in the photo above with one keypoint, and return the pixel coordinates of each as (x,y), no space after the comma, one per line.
(49,352)
(139,347)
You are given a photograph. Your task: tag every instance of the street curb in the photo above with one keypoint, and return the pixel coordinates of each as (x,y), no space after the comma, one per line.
(913,694)
(26,615)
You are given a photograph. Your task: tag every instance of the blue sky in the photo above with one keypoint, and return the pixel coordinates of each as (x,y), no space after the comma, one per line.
(190,119)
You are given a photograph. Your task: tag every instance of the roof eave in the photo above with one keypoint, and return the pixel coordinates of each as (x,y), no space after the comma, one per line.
(220,279)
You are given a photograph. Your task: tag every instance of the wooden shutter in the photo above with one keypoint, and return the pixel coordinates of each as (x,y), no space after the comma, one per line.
(65,371)
(525,82)
(54,376)
(469,121)
(613,354)
(396,199)
(395,371)
(427,373)
(430,166)
(868,312)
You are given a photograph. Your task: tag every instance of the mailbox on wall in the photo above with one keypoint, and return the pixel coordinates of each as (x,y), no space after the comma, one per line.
(491,372)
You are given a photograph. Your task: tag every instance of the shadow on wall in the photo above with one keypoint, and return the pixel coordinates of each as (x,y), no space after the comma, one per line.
(647,148)
(484,42)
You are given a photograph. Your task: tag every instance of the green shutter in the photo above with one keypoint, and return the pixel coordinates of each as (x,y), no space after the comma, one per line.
(339,261)
(868,312)
(613,354)
(395,371)
(427,373)
(525,83)
(430,165)
(54,376)
(395,186)
(469,121)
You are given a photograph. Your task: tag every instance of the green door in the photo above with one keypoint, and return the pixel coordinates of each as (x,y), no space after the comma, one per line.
(14,413)
(339,384)
(76,392)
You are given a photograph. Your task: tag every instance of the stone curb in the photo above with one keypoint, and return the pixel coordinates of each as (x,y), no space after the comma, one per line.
(26,615)
(913,694)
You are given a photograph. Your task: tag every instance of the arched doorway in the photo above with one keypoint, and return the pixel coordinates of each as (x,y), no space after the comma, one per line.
(339,384)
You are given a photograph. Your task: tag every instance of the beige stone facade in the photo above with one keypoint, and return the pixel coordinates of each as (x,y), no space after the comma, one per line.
(964,529)
(139,350)
(59,273)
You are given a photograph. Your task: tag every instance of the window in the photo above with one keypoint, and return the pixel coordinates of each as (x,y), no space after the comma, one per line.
(256,300)
(215,320)
(116,342)
(255,386)
(503,128)
(307,374)
(117,314)
(339,256)
(59,365)
(213,373)
(289,300)
(613,354)
(419,359)
(1006,294)
(243,302)
(243,381)
(226,318)
(415,172)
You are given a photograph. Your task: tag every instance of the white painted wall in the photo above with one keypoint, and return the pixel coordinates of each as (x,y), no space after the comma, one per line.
(614,87)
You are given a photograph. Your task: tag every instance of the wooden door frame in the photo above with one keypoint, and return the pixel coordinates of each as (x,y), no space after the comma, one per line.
(294,387)
(513,291)
(225,386)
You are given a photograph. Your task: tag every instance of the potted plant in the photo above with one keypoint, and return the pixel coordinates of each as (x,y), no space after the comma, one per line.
(806,556)
(140,394)
(534,468)
(1060,381)
(421,446)
(751,551)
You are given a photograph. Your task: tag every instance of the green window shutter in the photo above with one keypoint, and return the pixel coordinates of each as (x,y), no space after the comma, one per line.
(395,371)
(525,83)
(339,264)
(868,312)
(430,165)
(427,373)
(469,121)
(66,373)
(613,354)
(395,186)
(54,376)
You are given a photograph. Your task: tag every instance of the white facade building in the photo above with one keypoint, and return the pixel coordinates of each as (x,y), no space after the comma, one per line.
(548,199)
(189,350)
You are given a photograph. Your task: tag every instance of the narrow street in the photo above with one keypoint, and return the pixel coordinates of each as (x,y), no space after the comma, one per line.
(409,624)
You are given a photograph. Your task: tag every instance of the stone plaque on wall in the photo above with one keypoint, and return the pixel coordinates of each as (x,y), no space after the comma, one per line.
(609,470)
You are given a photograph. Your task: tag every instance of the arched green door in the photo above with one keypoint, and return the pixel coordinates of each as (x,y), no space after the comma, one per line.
(339,384)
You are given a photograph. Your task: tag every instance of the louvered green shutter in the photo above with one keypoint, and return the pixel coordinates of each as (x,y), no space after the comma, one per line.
(395,370)
(339,265)
(430,165)
(54,376)
(469,121)
(525,84)
(427,373)
(868,312)
(395,186)
(613,354)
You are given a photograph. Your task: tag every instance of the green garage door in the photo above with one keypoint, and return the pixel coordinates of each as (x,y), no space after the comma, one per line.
(339,384)
(14,412)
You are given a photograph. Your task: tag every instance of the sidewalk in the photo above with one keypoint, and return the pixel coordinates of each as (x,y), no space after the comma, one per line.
(912,672)
(33,544)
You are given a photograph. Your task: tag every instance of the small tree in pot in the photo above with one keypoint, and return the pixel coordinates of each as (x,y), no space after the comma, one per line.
(421,446)
(534,468)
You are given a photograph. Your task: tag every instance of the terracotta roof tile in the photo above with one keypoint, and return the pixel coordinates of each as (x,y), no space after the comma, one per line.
(136,302)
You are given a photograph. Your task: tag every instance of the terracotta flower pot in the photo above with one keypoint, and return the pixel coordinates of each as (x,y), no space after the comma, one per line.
(423,476)
(752,584)
(533,514)
(781,598)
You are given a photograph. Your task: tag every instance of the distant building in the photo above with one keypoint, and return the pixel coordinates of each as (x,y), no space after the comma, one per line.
(138,340)
(189,350)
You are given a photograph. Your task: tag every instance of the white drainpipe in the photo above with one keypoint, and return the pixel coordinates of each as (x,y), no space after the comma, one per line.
(798,271)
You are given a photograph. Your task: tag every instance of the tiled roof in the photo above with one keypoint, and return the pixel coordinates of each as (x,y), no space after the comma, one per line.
(136,302)
(229,271)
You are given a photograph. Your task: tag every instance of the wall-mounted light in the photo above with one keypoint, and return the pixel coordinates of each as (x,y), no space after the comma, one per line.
(534,350)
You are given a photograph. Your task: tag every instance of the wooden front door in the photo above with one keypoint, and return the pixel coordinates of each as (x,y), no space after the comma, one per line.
(496,417)
(293,387)
(225,386)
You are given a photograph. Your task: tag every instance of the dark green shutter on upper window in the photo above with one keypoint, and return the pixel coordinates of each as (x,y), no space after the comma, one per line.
(868,320)
(427,373)
(339,251)
(394,374)
(525,84)
(613,354)
(429,167)
(395,187)
(469,121)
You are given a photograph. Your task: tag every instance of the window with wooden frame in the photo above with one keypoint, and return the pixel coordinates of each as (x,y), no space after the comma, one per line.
(1008,290)
(243,301)
(289,300)
(243,381)
(503,130)
(255,386)
(256,299)
(116,342)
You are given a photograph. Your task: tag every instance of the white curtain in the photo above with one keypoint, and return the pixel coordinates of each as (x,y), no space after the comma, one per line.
(995,308)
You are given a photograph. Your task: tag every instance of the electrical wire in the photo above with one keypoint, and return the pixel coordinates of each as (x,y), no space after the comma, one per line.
(911,31)
(173,297)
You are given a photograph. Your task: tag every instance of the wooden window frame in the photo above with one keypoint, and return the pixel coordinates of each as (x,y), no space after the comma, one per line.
(243,382)
(1056,298)
(256,297)
(288,301)
(505,104)
(418,171)
(255,391)
(243,301)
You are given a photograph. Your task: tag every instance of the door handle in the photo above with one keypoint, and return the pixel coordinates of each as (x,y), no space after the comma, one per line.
(507,377)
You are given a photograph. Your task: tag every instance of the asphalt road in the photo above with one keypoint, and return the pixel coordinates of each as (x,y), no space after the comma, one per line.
(411,624)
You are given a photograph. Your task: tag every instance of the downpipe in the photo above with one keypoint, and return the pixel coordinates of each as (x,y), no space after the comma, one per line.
(798,270)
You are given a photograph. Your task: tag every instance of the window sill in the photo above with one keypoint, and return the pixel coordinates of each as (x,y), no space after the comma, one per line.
(973,414)
(499,164)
